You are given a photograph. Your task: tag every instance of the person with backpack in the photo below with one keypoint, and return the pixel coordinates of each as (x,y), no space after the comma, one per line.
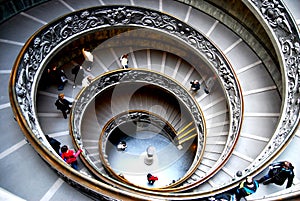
(278,173)
(245,188)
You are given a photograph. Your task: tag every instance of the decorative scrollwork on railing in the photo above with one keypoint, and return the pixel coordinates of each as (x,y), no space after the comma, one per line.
(128,76)
(54,36)
(273,12)
(138,117)
(114,78)
(285,31)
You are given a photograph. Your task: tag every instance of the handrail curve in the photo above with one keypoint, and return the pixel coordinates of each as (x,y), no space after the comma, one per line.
(39,48)
(117,77)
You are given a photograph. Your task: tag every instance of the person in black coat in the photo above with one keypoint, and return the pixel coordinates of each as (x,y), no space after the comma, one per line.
(278,173)
(195,85)
(78,72)
(55,144)
(63,105)
(57,76)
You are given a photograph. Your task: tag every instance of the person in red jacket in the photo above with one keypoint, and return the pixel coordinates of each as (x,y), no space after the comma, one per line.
(151,179)
(70,156)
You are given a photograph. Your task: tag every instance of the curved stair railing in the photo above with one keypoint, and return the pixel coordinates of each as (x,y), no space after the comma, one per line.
(284,29)
(145,121)
(186,133)
(30,65)
(26,77)
(115,78)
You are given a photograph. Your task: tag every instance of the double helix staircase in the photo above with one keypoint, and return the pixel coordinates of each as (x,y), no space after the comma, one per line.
(260,83)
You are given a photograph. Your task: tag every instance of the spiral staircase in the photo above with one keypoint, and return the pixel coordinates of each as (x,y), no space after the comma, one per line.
(248,119)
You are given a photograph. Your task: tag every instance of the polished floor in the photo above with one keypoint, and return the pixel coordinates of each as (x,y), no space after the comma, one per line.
(169,163)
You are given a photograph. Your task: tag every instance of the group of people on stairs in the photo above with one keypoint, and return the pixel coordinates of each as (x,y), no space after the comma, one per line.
(278,173)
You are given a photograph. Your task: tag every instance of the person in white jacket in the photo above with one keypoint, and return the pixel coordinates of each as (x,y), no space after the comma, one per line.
(87,81)
(124,61)
(89,58)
